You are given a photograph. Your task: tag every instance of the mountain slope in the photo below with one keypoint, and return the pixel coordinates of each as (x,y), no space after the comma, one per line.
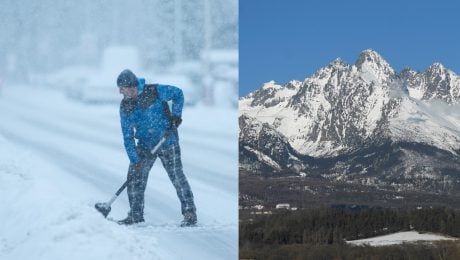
(343,110)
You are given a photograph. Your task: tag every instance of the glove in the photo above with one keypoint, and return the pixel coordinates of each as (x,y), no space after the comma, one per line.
(141,153)
(176,120)
(135,169)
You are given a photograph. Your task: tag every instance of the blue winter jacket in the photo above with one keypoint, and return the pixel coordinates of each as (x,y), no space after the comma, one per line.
(144,118)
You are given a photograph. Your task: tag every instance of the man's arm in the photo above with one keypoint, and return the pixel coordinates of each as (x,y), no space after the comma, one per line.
(127,128)
(167,93)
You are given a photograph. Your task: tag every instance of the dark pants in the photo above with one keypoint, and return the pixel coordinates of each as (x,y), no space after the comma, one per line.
(138,175)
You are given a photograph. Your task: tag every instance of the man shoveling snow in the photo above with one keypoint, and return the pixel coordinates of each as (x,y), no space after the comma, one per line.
(145,116)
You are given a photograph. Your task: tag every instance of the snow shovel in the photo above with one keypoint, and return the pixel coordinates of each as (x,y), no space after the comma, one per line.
(104,207)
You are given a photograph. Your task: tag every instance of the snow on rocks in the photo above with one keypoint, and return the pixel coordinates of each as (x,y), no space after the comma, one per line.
(344,105)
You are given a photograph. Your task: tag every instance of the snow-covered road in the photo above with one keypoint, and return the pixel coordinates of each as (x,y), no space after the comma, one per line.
(58,157)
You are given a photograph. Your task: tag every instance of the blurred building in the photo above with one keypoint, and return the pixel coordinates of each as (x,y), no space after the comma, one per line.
(44,37)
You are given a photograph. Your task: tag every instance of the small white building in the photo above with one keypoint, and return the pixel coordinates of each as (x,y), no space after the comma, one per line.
(283,206)
(258,207)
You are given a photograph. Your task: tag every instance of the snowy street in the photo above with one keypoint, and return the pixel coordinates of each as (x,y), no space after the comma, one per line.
(58,157)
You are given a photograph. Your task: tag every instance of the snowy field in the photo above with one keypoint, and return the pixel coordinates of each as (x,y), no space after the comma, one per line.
(59,157)
(399,238)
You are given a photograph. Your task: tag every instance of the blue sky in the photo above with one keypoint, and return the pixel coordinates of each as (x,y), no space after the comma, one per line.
(292,39)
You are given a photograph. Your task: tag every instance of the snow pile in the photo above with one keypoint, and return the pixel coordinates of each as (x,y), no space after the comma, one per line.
(43,219)
(399,238)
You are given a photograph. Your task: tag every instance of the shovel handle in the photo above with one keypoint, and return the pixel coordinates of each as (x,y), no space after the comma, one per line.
(153,151)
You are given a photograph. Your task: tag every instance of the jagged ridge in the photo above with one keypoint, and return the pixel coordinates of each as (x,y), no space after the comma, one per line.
(344,109)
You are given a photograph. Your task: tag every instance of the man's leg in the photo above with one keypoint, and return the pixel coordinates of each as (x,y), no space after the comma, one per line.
(138,175)
(171,159)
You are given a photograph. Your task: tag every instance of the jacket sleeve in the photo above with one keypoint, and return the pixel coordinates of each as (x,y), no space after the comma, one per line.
(167,93)
(127,128)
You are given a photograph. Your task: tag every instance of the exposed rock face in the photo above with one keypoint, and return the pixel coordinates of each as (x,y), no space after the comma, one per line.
(338,120)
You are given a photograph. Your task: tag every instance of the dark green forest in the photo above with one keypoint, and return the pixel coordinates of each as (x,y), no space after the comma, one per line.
(439,251)
(321,233)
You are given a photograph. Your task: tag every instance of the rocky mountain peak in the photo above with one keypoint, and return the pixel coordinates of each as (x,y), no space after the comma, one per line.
(337,63)
(269,85)
(369,55)
(372,62)
(436,68)
(353,122)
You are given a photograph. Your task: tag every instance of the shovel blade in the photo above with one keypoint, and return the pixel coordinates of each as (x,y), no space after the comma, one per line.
(103,208)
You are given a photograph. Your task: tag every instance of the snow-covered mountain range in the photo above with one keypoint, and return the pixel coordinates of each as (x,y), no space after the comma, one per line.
(358,122)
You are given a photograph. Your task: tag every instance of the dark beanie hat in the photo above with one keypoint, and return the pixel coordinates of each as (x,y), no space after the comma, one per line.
(127,79)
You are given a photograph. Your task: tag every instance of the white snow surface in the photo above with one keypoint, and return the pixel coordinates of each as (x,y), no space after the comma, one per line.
(59,157)
(264,158)
(432,123)
(399,238)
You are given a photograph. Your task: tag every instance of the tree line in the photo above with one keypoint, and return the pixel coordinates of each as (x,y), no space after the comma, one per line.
(322,227)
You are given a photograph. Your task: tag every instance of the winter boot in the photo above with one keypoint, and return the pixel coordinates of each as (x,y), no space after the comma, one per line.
(129,220)
(189,219)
